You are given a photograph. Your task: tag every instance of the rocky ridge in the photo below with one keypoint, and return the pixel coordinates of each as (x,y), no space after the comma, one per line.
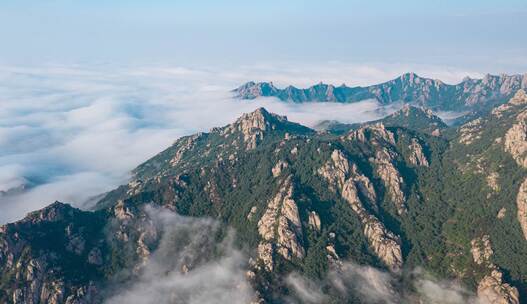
(409,87)
(345,178)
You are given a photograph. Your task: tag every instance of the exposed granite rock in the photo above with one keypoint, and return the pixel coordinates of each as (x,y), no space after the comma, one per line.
(265,255)
(333,258)
(336,171)
(502,213)
(470,131)
(519,99)
(252,212)
(277,169)
(122,212)
(492,290)
(481,250)
(521,205)
(372,132)
(516,140)
(492,181)
(211,188)
(134,187)
(383,161)
(253,126)
(342,177)
(290,231)
(417,157)
(391,178)
(281,224)
(186,146)
(314,221)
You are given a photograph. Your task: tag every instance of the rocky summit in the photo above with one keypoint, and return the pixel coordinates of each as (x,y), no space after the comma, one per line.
(294,215)
(470,94)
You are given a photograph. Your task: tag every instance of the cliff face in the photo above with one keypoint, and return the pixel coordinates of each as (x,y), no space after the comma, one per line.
(345,178)
(469,94)
(388,194)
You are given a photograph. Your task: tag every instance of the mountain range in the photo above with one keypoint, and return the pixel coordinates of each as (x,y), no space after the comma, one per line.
(470,94)
(401,210)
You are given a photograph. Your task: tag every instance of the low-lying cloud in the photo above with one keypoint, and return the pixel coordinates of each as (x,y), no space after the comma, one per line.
(371,285)
(68,133)
(190,266)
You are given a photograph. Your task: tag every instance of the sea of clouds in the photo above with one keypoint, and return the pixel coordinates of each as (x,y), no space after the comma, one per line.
(71,132)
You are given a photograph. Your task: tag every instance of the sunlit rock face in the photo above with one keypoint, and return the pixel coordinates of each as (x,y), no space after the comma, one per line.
(344,178)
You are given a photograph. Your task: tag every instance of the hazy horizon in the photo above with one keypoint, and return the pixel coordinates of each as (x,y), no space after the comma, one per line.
(483,36)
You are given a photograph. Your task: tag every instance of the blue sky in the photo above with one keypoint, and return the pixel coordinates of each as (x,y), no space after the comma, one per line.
(484,35)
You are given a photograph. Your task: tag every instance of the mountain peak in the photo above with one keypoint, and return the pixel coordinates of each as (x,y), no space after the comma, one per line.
(416,118)
(256,125)
(52,213)
(408,109)
(251,90)
(260,119)
(410,75)
(519,98)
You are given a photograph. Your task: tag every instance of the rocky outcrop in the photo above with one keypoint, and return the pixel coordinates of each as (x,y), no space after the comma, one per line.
(252,212)
(516,140)
(491,289)
(521,205)
(470,131)
(502,213)
(492,181)
(186,145)
(378,135)
(265,255)
(375,133)
(519,99)
(253,126)
(314,221)
(277,169)
(417,157)
(481,250)
(344,177)
(280,227)
(516,137)
(391,178)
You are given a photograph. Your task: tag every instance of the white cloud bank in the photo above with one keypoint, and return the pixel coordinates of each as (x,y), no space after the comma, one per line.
(68,133)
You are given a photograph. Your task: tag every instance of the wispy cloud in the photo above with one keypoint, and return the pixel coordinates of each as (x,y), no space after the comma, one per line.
(189,266)
(372,285)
